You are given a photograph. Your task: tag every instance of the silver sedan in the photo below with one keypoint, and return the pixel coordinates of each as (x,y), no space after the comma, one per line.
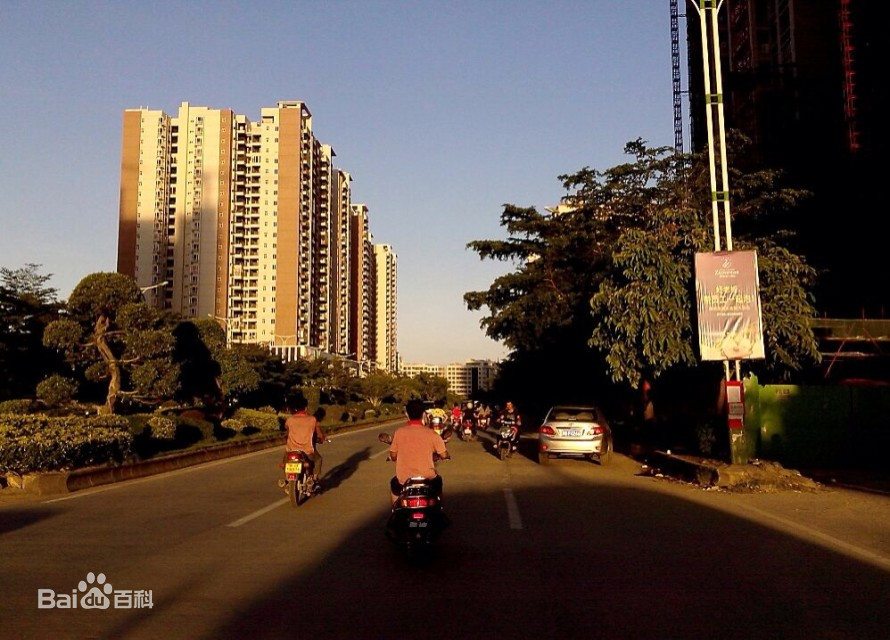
(575,431)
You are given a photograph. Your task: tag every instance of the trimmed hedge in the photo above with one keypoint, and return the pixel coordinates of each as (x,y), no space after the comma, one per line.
(258,419)
(43,443)
(16,406)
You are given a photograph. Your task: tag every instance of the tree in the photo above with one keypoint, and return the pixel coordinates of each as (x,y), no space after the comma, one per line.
(27,305)
(377,386)
(607,278)
(117,337)
(432,387)
(214,373)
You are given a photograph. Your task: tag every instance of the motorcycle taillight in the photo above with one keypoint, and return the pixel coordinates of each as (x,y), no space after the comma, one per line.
(420,515)
(417,502)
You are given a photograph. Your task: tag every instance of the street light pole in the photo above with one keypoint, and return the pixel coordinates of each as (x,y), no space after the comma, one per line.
(152,287)
(719,191)
(224,323)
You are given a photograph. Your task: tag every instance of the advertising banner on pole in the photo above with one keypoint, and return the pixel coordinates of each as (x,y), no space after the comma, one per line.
(727,289)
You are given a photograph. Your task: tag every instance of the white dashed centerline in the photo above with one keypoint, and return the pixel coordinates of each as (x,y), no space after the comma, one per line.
(257,514)
(512,509)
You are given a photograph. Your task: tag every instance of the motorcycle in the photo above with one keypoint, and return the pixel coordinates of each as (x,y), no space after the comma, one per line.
(483,423)
(438,425)
(467,429)
(505,444)
(298,476)
(417,518)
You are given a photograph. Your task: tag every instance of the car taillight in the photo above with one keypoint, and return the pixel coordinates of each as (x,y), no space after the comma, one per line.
(547,430)
(597,430)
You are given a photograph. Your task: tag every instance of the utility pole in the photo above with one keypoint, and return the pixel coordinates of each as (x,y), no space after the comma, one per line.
(707,13)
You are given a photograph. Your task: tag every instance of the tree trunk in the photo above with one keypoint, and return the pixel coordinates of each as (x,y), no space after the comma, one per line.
(114,370)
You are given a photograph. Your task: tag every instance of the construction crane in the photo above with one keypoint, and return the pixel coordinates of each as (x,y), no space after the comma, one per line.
(675,74)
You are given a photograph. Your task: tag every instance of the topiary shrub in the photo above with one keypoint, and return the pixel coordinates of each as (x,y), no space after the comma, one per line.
(259,420)
(238,426)
(190,430)
(138,423)
(162,428)
(56,390)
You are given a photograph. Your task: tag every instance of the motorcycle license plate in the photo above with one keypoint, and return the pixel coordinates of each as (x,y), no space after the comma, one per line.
(293,467)
(416,525)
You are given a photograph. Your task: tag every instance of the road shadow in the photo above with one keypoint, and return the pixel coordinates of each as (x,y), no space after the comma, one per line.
(593,560)
(14,518)
(336,476)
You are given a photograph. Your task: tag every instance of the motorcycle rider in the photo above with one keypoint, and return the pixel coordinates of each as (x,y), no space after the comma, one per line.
(455,416)
(484,415)
(511,415)
(303,432)
(412,448)
(469,413)
(436,412)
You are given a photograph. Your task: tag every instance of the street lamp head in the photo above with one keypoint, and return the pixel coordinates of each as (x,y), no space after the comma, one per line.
(154,286)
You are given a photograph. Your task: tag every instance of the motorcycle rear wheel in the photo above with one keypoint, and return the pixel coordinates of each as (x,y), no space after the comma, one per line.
(304,490)
(293,491)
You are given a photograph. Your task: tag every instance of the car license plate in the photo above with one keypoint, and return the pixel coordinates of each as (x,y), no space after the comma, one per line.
(293,467)
(572,433)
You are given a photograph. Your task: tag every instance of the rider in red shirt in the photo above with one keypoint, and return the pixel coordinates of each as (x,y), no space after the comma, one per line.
(303,433)
(413,448)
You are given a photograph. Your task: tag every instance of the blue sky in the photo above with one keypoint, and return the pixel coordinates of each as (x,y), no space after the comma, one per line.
(440,111)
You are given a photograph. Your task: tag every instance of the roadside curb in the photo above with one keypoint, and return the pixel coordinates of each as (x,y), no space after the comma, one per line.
(754,475)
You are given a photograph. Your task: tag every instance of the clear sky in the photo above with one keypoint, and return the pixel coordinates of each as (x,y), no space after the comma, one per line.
(441,112)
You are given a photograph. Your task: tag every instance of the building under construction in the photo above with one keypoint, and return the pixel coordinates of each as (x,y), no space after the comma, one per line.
(799,80)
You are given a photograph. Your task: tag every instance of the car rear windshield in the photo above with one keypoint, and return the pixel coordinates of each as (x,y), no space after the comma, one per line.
(572,414)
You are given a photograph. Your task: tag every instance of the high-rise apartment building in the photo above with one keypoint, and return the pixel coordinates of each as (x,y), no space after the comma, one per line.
(385,307)
(249,223)
(361,265)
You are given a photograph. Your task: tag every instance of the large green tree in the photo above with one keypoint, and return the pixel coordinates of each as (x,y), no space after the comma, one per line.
(27,305)
(214,373)
(110,331)
(606,279)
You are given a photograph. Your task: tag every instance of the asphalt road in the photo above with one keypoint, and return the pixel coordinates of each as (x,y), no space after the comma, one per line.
(570,550)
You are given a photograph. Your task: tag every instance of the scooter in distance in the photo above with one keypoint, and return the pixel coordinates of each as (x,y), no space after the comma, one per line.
(467,429)
(505,444)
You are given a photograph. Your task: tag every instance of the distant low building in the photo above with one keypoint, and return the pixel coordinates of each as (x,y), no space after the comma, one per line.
(463,378)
